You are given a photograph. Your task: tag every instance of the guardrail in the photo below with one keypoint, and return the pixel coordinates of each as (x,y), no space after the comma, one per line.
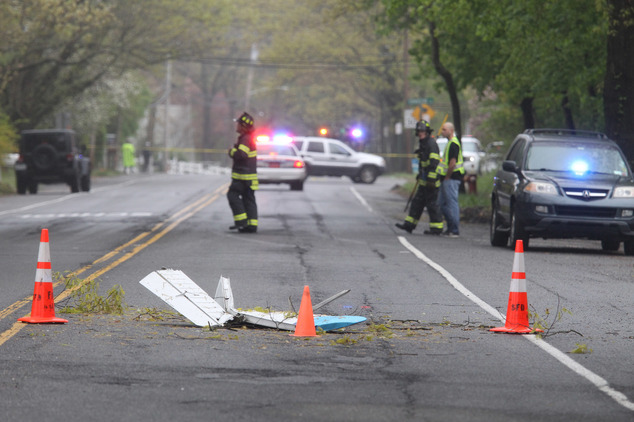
(175,166)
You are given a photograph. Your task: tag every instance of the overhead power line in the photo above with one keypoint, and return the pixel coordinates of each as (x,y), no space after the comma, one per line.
(297,64)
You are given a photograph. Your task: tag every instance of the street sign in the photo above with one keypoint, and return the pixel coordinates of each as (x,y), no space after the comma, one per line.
(427,112)
(409,119)
(420,101)
(413,115)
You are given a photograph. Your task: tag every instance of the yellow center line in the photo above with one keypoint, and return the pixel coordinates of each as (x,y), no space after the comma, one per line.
(173,221)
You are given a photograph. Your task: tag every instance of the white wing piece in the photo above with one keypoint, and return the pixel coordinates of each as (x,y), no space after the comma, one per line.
(273,319)
(224,295)
(185,296)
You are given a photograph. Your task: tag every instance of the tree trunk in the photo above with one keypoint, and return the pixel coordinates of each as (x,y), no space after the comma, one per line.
(565,105)
(527,111)
(618,95)
(448,78)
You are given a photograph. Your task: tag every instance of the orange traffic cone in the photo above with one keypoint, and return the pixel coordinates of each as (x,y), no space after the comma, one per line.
(305,326)
(43,306)
(517,310)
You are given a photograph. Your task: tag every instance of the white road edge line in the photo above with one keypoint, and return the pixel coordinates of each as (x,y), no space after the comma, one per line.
(360,198)
(64,198)
(579,369)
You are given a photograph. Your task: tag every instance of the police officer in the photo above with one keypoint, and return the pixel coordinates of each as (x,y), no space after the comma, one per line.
(428,183)
(244,178)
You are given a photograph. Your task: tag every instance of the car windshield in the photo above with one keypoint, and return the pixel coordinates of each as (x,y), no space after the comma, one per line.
(469,146)
(577,158)
(276,149)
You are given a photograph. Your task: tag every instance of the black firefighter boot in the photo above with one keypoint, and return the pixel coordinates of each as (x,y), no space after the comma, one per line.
(407,226)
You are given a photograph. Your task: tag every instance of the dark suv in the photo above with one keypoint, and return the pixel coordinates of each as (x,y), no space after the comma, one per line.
(51,156)
(563,184)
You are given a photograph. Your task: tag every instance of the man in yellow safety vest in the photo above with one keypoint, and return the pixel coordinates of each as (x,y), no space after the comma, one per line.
(451,172)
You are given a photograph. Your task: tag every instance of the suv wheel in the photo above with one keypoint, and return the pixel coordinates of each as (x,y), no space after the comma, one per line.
(20,185)
(497,237)
(368,174)
(517,232)
(610,245)
(628,246)
(85,183)
(74,183)
(33,187)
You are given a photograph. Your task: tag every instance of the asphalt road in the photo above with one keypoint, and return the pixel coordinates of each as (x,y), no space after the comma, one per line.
(426,352)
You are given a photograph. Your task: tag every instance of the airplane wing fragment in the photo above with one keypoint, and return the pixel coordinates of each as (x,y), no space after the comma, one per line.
(185,296)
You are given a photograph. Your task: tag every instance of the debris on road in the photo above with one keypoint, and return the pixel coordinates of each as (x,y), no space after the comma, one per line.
(186,297)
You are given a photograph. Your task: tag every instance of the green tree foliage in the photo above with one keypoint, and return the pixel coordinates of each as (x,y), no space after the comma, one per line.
(8,135)
(546,54)
(53,50)
(339,70)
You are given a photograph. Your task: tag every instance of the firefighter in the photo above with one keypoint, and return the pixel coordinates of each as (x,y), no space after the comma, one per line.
(244,178)
(428,183)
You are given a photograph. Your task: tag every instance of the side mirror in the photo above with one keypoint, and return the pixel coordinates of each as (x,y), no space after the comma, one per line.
(510,166)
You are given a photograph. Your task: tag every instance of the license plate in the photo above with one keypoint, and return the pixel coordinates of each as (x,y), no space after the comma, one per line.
(274,165)
(20,166)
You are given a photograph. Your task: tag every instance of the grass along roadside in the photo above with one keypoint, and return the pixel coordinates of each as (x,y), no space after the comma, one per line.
(7,180)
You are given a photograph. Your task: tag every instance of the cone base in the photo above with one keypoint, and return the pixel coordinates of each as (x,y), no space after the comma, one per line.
(516,330)
(42,320)
(303,335)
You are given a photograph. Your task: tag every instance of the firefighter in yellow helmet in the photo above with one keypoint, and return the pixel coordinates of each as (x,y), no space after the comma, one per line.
(428,183)
(244,177)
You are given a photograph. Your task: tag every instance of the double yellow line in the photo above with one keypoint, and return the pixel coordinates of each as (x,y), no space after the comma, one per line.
(139,243)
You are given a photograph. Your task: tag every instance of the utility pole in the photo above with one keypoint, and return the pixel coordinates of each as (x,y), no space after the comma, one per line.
(168,90)
(247,94)
(406,133)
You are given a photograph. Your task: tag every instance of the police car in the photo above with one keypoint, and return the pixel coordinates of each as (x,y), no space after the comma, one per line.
(279,162)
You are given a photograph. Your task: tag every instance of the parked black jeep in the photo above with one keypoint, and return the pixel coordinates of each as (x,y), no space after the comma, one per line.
(51,156)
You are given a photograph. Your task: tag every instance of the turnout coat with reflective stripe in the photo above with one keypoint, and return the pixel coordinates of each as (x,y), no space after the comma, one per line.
(429,159)
(244,154)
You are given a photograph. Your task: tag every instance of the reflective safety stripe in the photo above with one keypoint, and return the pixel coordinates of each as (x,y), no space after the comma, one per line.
(255,185)
(250,153)
(434,155)
(252,222)
(232,151)
(436,225)
(240,217)
(240,176)
(412,220)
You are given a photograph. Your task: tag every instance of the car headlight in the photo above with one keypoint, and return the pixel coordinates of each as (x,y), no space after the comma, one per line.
(624,192)
(541,187)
